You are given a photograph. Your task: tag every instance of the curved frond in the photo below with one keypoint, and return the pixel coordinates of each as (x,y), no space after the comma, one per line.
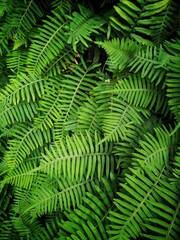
(49,197)
(82,25)
(155,149)
(167,223)
(120,52)
(49,105)
(19,113)
(26,139)
(18,23)
(82,153)
(89,220)
(90,117)
(30,13)
(16,61)
(132,208)
(176,169)
(140,92)
(75,90)
(165,22)
(145,21)
(23,88)
(61,63)
(48,44)
(173,86)
(151,62)
(120,121)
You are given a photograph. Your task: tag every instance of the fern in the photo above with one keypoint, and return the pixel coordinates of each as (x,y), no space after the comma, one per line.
(87,222)
(75,89)
(96,161)
(22,88)
(172,81)
(132,208)
(139,91)
(145,21)
(120,52)
(120,120)
(82,25)
(151,63)
(43,49)
(26,139)
(89,119)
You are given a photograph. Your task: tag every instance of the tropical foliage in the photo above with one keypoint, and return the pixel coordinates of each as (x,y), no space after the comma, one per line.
(89,119)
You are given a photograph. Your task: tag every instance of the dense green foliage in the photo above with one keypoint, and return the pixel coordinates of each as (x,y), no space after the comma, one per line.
(89,119)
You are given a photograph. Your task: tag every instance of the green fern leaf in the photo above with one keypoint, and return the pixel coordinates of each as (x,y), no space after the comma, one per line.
(156,149)
(19,113)
(49,105)
(139,91)
(90,117)
(48,44)
(90,221)
(82,155)
(132,204)
(120,120)
(50,197)
(23,88)
(27,138)
(61,63)
(16,61)
(75,89)
(151,62)
(120,52)
(173,90)
(82,25)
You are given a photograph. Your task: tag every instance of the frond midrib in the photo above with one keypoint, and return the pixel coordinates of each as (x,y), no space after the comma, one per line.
(18,149)
(46,45)
(172,222)
(55,195)
(20,88)
(141,203)
(73,97)
(23,16)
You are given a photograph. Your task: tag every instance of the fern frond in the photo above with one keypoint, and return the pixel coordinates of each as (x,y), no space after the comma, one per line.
(168,227)
(132,208)
(90,117)
(5,6)
(48,197)
(164,22)
(140,92)
(83,155)
(49,105)
(48,44)
(155,149)
(23,88)
(26,139)
(89,221)
(19,113)
(120,52)
(75,90)
(176,169)
(151,62)
(16,61)
(30,13)
(18,23)
(144,21)
(61,63)
(82,25)
(24,175)
(120,120)
(126,12)
(173,86)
